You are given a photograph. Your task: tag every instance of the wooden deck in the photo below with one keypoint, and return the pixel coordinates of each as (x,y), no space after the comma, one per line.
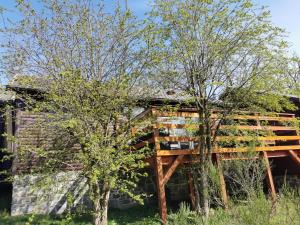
(171,135)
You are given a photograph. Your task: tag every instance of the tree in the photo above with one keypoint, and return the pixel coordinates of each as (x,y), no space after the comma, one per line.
(220,54)
(86,63)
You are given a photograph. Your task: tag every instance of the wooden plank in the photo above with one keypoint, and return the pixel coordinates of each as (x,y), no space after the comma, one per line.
(269,138)
(279,117)
(168,160)
(294,157)
(269,176)
(227,150)
(177,126)
(265,148)
(174,114)
(273,128)
(180,138)
(226,138)
(172,168)
(162,203)
(246,117)
(240,112)
(222,182)
(143,143)
(271,154)
(228,127)
(176,152)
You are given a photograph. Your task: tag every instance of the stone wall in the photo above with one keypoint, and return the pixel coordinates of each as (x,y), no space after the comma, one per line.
(45,195)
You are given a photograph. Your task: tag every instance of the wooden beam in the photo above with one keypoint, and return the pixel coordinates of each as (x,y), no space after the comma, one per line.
(265,148)
(175,113)
(178,138)
(267,118)
(269,176)
(161,194)
(162,203)
(172,168)
(177,152)
(143,143)
(228,150)
(222,182)
(271,154)
(294,157)
(224,127)
(249,138)
(177,126)
(227,138)
(242,127)
(278,117)
(167,160)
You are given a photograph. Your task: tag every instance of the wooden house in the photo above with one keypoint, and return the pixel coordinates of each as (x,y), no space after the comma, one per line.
(174,145)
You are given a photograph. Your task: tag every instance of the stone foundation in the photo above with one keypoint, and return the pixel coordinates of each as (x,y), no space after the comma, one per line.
(30,195)
(51,197)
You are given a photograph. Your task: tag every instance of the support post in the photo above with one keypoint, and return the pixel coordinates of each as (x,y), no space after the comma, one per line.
(161,194)
(222,182)
(269,176)
(294,157)
(172,168)
(162,204)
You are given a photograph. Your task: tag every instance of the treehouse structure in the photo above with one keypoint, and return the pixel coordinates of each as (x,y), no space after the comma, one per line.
(175,143)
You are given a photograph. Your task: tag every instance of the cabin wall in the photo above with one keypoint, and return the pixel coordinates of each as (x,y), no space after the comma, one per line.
(28,197)
(5,166)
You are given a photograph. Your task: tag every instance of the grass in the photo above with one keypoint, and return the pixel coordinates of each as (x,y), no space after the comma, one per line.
(140,215)
(258,211)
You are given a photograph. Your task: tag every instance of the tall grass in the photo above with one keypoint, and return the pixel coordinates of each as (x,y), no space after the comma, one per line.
(255,211)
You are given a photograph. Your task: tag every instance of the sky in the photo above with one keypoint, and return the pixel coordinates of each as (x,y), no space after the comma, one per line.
(285,14)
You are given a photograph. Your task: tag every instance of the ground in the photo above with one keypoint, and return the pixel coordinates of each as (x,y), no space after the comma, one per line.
(135,216)
(257,211)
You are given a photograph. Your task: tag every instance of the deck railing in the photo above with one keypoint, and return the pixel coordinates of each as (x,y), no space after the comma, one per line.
(175,133)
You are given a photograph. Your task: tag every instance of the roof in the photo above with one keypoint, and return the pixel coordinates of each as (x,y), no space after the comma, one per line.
(153,95)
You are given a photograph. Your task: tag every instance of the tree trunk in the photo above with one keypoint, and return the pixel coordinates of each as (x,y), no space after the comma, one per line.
(196,174)
(100,204)
(204,194)
(202,203)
